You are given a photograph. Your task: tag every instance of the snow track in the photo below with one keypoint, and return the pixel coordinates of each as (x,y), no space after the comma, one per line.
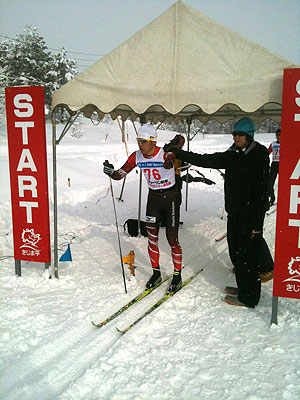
(51,367)
(193,347)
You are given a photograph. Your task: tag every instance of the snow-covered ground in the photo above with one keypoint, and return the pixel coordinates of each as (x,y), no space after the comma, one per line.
(194,347)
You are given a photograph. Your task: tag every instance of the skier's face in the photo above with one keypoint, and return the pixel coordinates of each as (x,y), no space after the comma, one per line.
(240,139)
(147,148)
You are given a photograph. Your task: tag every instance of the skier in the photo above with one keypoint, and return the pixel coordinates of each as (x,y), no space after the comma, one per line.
(246,165)
(163,200)
(274,148)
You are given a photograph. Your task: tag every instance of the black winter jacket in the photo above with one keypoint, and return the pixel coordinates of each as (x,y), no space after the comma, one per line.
(246,178)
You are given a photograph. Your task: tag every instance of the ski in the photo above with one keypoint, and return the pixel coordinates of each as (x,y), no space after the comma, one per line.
(221,237)
(158,303)
(136,299)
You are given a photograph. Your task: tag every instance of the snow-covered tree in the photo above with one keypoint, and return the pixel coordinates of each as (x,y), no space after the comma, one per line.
(63,69)
(26,61)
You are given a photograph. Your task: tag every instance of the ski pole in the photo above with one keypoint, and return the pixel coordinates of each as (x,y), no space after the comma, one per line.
(120,250)
(121,194)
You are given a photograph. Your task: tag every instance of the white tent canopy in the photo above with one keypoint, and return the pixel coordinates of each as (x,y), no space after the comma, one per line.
(182,64)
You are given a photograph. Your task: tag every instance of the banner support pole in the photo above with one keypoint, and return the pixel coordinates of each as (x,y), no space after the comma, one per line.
(55,232)
(18,267)
(274,310)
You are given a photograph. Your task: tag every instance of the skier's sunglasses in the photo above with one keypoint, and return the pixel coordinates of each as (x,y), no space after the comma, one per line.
(238,134)
(143,141)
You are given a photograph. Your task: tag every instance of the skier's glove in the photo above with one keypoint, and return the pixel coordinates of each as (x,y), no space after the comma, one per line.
(108,168)
(168,164)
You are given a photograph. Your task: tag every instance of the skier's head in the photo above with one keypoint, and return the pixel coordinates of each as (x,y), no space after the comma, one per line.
(278,133)
(146,139)
(243,132)
(147,133)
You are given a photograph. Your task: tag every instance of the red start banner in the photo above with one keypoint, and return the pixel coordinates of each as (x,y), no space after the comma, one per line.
(28,172)
(287,244)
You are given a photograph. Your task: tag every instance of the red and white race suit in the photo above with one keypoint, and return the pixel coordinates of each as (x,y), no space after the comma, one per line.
(163,200)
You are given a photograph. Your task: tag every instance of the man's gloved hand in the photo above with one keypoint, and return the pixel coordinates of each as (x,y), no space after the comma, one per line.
(255,234)
(177,142)
(108,168)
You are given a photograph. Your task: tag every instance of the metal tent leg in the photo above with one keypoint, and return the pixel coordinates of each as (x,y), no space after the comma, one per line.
(188,149)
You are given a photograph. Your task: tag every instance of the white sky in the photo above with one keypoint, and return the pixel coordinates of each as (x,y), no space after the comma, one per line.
(98,26)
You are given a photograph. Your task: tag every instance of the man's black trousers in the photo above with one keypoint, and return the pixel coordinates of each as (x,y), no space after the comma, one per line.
(245,255)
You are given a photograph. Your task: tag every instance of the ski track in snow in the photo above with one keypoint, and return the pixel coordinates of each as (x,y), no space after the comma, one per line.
(194,347)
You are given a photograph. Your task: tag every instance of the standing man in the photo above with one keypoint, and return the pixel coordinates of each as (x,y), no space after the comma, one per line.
(163,199)
(178,141)
(274,148)
(246,165)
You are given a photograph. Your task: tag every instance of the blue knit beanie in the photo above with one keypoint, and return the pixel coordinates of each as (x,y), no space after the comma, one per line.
(246,125)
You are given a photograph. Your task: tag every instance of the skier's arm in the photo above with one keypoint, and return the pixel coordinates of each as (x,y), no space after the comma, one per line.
(121,172)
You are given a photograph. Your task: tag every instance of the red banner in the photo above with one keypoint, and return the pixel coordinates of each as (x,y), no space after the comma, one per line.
(28,172)
(287,244)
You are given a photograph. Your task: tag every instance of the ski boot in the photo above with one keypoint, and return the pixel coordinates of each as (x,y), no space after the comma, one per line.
(176,282)
(155,278)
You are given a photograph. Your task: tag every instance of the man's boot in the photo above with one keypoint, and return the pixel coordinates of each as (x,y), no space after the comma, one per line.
(176,282)
(155,278)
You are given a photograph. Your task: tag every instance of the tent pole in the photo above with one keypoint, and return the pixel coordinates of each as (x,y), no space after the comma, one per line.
(136,132)
(68,125)
(140,191)
(122,129)
(140,201)
(188,149)
(55,193)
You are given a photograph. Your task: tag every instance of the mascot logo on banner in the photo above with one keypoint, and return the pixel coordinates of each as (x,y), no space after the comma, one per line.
(294,270)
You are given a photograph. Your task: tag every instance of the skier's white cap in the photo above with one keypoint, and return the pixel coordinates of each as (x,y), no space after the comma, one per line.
(147,132)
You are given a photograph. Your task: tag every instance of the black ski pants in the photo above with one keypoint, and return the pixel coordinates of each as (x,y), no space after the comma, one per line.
(245,253)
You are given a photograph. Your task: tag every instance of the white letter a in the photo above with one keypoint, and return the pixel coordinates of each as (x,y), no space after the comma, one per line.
(296,172)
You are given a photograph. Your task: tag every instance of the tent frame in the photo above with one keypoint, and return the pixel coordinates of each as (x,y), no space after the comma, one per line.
(56,142)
